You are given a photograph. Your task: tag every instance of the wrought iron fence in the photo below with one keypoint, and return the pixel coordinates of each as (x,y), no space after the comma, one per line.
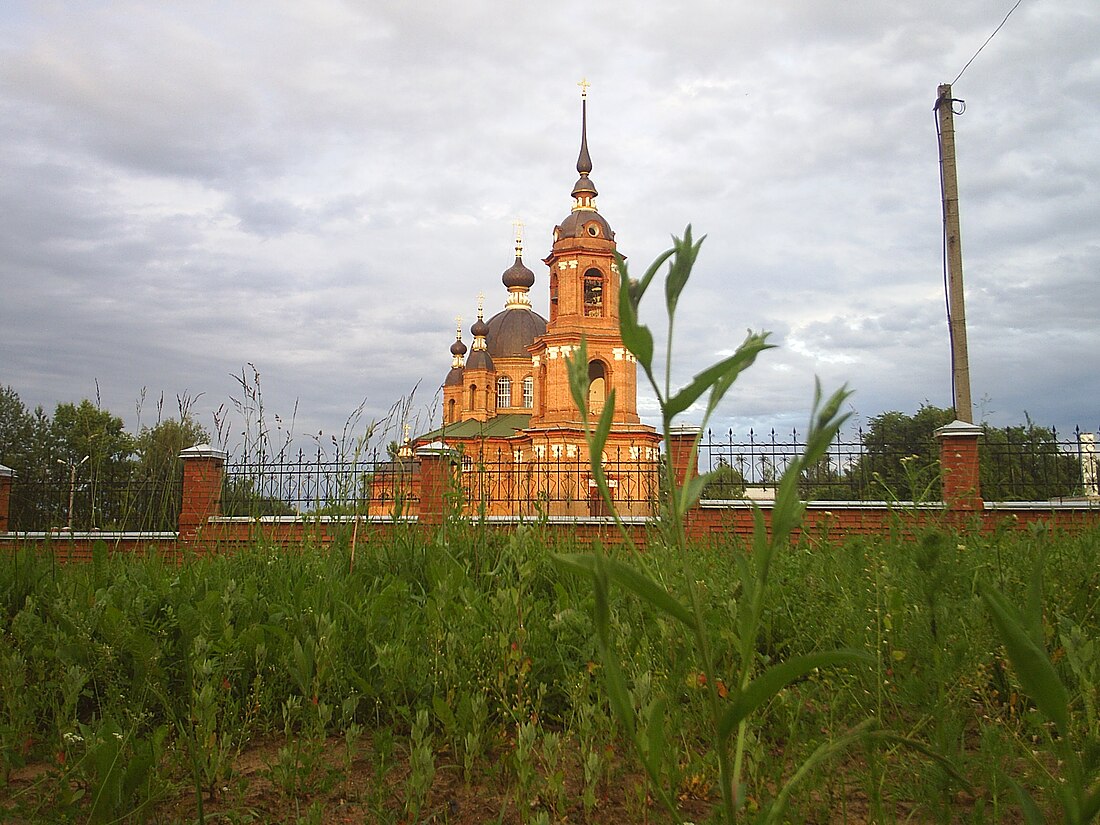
(1016,464)
(125,500)
(554,480)
(319,485)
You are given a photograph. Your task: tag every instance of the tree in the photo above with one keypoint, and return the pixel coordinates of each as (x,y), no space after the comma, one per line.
(901,455)
(158,470)
(94,449)
(900,460)
(727,483)
(1026,464)
(26,448)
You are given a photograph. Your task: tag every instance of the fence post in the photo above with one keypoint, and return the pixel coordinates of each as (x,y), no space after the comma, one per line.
(680,442)
(959,465)
(203,474)
(6,475)
(436,481)
(1090,466)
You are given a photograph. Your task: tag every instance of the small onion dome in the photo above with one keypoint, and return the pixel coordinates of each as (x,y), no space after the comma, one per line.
(518,276)
(584,187)
(458,348)
(511,332)
(479,328)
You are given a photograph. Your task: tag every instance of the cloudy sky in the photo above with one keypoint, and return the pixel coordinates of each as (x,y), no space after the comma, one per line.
(318,189)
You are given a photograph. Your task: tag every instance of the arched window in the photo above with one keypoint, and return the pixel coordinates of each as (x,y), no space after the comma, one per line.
(451,411)
(473,397)
(593,293)
(597,386)
(504,392)
(528,392)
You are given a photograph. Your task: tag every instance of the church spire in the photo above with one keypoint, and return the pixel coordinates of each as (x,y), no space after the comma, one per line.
(584,191)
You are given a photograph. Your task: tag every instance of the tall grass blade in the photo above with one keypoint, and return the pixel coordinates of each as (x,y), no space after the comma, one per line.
(769,683)
(1033,667)
(637,583)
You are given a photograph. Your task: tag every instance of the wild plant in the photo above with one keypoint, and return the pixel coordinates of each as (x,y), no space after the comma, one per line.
(1074,747)
(750,684)
(552,750)
(592,767)
(473,719)
(524,763)
(421,767)
(120,772)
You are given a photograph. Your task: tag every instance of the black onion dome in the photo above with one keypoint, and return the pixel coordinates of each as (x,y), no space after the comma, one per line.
(577,223)
(512,331)
(454,377)
(458,348)
(517,275)
(479,328)
(479,360)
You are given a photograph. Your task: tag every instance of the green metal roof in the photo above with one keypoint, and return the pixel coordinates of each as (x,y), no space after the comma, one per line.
(500,426)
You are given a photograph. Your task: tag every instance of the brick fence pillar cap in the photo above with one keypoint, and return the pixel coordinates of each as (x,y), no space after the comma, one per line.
(204,451)
(684,429)
(958,429)
(439,448)
(6,472)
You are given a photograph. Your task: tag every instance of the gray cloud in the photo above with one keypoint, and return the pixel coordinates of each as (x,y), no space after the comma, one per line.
(320,190)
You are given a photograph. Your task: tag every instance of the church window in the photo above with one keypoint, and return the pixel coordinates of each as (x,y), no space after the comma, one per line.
(473,396)
(597,386)
(504,391)
(528,392)
(593,293)
(451,410)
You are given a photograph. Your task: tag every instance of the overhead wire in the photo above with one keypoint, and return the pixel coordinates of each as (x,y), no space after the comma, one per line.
(979,51)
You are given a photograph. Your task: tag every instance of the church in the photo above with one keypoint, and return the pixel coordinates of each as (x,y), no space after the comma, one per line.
(508,413)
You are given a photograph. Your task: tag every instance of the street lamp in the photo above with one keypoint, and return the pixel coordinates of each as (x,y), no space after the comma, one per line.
(72,465)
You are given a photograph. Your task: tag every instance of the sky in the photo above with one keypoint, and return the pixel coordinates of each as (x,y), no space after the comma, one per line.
(194,194)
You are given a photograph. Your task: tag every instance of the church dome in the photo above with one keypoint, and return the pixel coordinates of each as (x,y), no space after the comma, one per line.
(454,377)
(518,275)
(584,224)
(512,331)
(479,360)
(458,348)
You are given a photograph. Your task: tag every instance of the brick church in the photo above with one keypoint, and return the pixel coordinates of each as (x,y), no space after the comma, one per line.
(508,413)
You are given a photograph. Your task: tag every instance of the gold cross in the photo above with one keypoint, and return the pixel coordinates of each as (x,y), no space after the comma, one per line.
(517,225)
(584,84)
(458,325)
(480,303)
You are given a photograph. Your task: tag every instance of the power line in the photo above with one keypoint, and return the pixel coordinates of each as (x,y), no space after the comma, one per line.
(979,51)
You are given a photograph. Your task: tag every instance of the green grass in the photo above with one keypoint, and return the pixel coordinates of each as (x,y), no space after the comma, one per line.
(138,680)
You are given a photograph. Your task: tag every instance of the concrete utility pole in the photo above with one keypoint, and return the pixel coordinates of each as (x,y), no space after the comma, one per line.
(956,306)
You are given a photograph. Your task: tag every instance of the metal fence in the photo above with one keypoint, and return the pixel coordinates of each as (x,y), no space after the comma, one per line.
(124,501)
(1016,464)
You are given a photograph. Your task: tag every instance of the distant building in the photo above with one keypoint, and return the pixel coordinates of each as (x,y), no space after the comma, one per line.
(507,409)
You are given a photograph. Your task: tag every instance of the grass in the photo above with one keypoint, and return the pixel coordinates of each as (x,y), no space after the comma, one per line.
(480,661)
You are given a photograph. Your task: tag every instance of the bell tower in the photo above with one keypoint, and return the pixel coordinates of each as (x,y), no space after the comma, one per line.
(584,303)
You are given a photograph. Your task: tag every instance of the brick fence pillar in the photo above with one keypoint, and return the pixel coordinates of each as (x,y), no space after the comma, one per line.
(959,465)
(6,475)
(436,481)
(681,442)
(203,475)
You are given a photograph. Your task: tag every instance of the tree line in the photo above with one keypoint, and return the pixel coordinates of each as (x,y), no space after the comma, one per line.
(79,467)
(898,460)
